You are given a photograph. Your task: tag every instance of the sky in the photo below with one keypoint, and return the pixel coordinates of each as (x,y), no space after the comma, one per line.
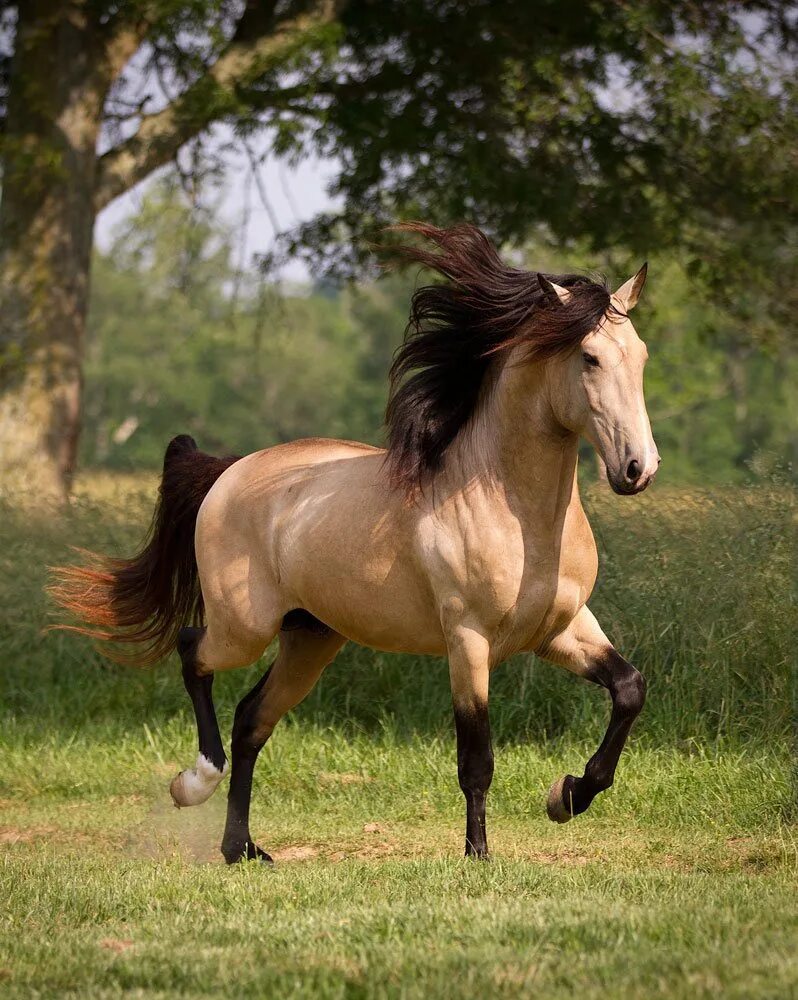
(294,193)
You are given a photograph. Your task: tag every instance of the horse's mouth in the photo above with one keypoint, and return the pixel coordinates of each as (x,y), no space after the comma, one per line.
(626,490)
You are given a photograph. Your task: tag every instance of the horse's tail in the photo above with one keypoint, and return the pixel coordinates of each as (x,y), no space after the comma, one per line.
(146,600)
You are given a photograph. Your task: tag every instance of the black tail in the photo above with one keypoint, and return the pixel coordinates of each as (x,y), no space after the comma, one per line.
(146,600)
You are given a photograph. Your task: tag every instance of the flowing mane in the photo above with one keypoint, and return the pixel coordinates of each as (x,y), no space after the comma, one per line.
(457,329)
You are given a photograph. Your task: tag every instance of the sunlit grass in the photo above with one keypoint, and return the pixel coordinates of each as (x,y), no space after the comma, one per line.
(679,882)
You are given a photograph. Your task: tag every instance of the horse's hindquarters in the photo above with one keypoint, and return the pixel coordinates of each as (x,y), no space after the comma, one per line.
(312,525)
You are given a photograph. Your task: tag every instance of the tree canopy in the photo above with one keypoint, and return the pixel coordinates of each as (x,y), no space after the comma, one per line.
(242,364)
(631,123)
(642,126)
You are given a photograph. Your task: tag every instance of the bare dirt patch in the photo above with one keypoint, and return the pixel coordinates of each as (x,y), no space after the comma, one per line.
(295,852)
(371,852)
(25,835)
(755,856)
(61,837)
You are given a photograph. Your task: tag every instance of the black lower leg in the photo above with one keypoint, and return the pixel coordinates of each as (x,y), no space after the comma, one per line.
(200,690)
(627,688)
(237,844)
(475,772)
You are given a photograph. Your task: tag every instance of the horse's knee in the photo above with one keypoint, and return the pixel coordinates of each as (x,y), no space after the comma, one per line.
(629,691)
(625,683)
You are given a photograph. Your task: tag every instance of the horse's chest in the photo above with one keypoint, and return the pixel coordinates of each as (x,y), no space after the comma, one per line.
(486,566)
(515,585)
(551,599)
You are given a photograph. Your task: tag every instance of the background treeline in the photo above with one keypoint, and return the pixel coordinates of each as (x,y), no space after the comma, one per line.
(181,339)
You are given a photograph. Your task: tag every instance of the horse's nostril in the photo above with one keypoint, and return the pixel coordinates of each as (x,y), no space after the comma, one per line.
(633,471)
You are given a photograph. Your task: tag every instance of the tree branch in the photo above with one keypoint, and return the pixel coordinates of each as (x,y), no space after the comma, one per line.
(257,46)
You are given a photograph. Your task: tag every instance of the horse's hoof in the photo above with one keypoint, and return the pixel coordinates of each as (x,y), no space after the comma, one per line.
(246,852)
(196,785)
(556,806)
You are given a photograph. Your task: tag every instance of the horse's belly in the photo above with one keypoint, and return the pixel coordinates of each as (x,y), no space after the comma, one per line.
(393,612)
(381,628)
(358,573)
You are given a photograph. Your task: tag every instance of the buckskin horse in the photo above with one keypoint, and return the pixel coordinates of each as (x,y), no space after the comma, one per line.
(465,537)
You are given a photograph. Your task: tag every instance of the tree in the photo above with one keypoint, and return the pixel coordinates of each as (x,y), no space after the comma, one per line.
(501,111)
(239,372)
(241,365)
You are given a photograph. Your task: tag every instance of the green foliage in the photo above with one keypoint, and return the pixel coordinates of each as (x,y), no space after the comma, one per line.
(643,125)
(625,124)
(659,128)
(181,341)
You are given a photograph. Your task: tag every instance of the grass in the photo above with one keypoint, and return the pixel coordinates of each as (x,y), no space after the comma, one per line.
(679,882)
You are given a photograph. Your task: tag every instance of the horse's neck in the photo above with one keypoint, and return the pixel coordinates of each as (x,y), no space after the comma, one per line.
(514,443)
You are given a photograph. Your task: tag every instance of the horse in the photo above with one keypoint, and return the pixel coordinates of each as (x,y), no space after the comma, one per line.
(464,537)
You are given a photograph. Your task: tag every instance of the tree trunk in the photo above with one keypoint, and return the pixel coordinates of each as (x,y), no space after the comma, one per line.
(58,82)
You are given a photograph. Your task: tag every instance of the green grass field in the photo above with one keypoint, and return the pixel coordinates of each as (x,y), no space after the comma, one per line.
(679,882)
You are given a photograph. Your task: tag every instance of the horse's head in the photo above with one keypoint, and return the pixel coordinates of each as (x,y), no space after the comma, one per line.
(599,392)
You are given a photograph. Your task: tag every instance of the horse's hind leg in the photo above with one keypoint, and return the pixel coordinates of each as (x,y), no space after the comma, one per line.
(200,655)
(195,785)
(584,649)
(304,653)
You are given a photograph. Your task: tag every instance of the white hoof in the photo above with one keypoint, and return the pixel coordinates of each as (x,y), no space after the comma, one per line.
(555,807)
(193,787)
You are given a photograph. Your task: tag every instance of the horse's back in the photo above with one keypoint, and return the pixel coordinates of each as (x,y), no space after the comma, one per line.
(269,472)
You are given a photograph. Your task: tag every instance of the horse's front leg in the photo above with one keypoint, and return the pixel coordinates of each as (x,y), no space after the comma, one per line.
(469,672)
(585,650)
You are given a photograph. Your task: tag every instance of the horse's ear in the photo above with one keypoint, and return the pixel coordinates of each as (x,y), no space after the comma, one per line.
(552,293)
(630,291)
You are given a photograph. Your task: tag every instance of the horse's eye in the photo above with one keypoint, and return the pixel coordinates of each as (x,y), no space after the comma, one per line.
(590,359)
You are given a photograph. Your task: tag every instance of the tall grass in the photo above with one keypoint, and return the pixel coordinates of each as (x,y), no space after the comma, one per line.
(697,589)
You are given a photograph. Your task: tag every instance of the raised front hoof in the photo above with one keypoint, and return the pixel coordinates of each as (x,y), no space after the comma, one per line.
(559,802)
(195,785)
(245,852)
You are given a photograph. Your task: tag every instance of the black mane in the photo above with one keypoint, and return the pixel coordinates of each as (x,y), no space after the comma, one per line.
(455,331)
